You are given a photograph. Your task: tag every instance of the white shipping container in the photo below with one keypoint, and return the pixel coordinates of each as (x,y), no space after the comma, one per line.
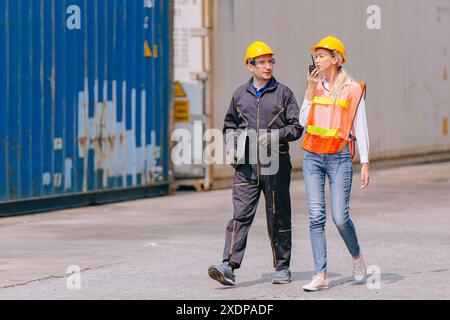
(400,48)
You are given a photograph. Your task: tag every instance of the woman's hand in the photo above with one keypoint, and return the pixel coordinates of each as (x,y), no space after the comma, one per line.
(364,175)
(313,80)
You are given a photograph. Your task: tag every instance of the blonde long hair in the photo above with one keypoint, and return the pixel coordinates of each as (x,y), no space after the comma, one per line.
(341,79)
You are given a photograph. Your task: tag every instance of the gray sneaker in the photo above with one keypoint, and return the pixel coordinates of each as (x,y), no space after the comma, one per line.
(222,273)
(282,276)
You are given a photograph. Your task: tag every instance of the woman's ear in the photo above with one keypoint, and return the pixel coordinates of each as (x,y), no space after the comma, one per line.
(335,60)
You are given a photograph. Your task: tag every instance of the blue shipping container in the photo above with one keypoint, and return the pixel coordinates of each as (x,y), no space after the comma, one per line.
(85,90)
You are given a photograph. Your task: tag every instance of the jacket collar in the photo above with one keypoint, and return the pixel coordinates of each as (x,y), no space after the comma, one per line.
(271,85)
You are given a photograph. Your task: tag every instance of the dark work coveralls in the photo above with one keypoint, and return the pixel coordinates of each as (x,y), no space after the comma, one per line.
(275,108)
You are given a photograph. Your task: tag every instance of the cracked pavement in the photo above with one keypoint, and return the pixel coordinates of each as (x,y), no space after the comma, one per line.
(161,248)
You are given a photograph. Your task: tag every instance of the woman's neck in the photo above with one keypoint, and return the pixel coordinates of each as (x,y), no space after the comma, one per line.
(331,76)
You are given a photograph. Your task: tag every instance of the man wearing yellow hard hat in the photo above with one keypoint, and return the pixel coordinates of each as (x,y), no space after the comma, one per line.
(333,114)
(269,110)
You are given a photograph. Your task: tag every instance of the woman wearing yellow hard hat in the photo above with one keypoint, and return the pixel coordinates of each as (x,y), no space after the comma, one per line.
(333,114)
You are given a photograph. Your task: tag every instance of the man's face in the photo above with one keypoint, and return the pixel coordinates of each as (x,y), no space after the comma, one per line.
(263,67)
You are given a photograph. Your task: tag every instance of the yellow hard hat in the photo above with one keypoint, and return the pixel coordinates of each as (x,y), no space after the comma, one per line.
(257,49)
(333,44)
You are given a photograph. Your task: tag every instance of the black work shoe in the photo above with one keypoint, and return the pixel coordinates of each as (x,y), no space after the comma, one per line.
(222,273)
(282,276)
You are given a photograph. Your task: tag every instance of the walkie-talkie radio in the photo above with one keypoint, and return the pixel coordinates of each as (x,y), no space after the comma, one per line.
(313,65)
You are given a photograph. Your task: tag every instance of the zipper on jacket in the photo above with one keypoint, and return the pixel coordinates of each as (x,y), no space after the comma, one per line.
(275,118)
(257,137)
(242,116)
(273,202)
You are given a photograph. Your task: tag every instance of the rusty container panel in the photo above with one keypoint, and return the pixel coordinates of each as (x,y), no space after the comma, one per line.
(84,99)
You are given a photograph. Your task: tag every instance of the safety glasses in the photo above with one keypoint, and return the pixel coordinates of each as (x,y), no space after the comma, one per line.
(262,63)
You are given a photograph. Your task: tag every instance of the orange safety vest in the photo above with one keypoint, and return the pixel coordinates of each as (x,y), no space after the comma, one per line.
(329,124)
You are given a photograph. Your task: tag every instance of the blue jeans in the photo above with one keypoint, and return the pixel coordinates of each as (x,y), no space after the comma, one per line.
(338,168)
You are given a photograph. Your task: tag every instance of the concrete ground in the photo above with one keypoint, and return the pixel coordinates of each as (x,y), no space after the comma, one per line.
(161,248)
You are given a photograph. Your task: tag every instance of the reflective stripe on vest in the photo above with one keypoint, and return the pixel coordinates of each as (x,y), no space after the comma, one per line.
(323,131)
(329,124)
(328,101)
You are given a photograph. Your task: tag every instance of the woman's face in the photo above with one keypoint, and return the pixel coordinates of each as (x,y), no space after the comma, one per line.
(324,60)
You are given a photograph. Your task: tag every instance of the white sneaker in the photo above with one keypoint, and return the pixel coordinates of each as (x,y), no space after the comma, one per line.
(317,283)
(359,269)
